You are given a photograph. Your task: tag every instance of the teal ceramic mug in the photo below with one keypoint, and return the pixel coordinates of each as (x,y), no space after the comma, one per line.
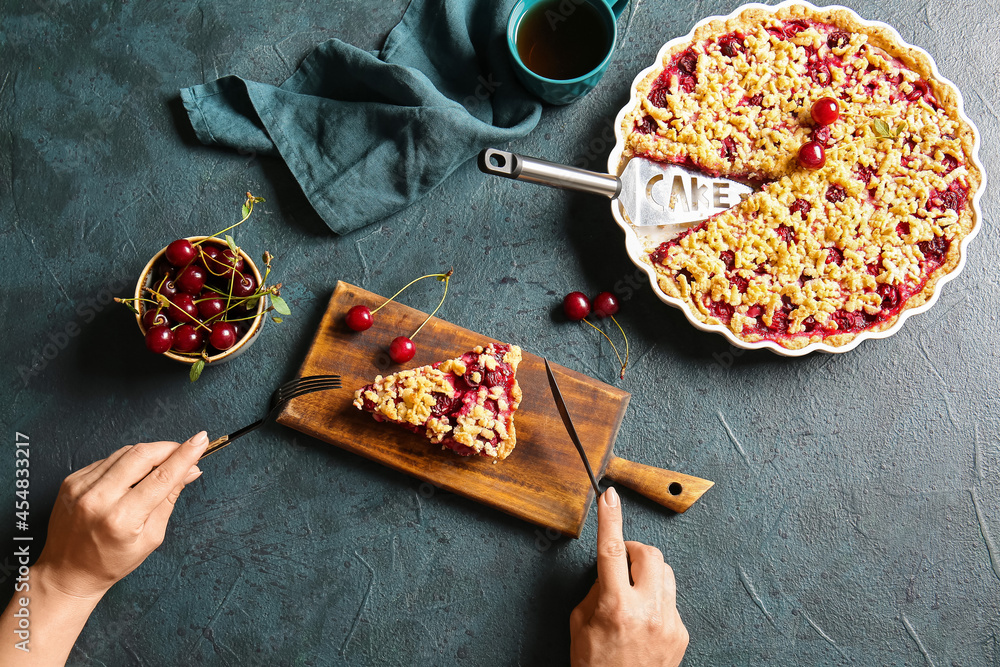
(587,39)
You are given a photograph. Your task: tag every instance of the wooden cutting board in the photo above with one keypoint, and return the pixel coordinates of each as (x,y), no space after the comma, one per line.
(543,481)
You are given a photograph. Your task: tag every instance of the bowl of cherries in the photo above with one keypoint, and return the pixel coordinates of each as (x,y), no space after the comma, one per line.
(202,300)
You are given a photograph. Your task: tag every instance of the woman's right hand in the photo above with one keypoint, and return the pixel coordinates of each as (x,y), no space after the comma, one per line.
(107,519)
(111,515)
(623,624)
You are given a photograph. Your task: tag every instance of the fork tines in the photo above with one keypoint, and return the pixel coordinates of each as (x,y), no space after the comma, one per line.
(307,385)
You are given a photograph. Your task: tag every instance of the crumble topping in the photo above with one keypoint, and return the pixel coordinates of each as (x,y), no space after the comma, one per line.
(466,404)
(816,254)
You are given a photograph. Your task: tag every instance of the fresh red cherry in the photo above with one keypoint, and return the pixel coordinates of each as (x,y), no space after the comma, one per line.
(187,338)
(359,318)
(191,279)
(812,155)
(183,308)
(210,306)
(229,259)
(167,288)
(826,111)
(180,252)
(223,265)
(159,339)
(576,305)
(401,349)
(244,285)
(223,336)
(605,304)
(210,258)
(154,317)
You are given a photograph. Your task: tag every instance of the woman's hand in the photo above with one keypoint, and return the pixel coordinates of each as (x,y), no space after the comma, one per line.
(107,519)
(623,624)
(112,514)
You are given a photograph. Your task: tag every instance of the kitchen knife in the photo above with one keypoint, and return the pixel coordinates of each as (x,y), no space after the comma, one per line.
(568,421)
(673,490)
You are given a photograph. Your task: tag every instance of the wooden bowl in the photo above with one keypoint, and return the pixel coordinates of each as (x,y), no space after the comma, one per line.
(146,279)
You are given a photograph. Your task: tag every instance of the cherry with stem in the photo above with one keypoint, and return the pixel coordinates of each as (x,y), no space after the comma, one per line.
(402,349)
(361,318)
(577,307)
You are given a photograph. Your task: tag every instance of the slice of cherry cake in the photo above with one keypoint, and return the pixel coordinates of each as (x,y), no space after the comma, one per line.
(818,254)
(466,404)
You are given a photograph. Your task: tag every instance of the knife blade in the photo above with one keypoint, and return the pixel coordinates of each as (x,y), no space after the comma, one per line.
(568,422)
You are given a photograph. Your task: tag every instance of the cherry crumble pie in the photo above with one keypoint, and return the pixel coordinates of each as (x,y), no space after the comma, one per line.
(466,404)
(823,253)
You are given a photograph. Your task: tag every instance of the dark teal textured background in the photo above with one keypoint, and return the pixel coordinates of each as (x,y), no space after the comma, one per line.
(855,515)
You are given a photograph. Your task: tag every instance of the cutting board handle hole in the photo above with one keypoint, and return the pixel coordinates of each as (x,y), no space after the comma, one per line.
(675,488)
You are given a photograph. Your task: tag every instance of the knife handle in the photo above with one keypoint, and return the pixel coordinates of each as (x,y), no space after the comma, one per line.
(671,489)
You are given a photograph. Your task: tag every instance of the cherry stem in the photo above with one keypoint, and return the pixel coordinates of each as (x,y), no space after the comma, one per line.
(242,299)
(622,376)
(429,275)
(210,320)
(194,320)
(220,315)
(251,200)
(600,331)
(229,297)
(136,301)
(447,277)
(186,354)
(208,268)
(250,317)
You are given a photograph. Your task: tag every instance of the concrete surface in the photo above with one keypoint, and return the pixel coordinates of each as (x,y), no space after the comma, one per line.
(855,517)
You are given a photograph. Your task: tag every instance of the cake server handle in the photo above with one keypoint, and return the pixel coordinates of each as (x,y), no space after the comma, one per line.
(533,170)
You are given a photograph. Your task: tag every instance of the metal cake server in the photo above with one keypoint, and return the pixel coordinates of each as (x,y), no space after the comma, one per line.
(651,193)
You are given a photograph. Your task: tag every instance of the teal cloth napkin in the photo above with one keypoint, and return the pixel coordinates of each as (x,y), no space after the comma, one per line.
(366,134)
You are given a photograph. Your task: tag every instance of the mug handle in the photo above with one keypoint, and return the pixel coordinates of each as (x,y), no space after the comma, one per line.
(617,7)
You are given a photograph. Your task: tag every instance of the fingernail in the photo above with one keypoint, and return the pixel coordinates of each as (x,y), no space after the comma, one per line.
(199,440)
(193,474)
(611,497)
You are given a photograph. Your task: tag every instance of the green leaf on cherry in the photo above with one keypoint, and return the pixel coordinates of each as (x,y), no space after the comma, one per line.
(246,210)
(276,319)
(251,303)
(232,245)
(129,306)
(196,369)
(280,305)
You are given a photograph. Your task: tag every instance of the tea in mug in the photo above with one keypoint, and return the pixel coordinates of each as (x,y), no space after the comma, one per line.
(563,39)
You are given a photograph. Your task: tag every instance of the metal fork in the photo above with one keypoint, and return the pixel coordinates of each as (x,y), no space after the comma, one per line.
(279,399)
